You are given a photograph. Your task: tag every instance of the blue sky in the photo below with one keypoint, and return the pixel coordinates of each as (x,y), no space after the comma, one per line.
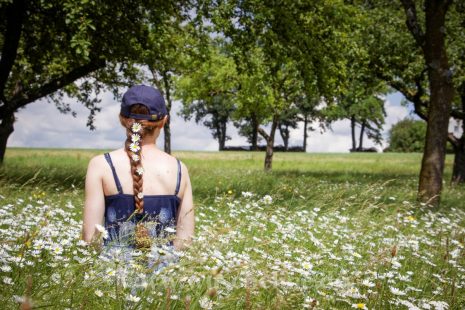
(40,124)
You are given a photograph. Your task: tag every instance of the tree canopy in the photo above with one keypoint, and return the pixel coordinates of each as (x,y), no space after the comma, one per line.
(47,47)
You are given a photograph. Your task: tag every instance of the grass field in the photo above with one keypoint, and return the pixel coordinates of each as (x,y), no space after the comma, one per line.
(321,231)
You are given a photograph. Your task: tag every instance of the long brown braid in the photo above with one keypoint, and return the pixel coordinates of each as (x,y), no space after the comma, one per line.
(148,127)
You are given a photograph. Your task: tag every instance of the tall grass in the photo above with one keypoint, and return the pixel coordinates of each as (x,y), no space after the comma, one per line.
(329,231)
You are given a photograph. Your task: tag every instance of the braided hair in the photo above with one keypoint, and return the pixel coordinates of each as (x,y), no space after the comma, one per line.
(136,130)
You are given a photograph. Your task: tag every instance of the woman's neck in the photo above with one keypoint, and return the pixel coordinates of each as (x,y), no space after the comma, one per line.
(150,139)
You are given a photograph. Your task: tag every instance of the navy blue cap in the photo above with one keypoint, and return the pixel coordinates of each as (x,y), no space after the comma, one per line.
(148,96)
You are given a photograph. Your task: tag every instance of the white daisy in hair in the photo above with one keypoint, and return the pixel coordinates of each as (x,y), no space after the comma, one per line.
(134,147)
(135,137)
(140,195)
(136,127)
(140,170)
(135,157)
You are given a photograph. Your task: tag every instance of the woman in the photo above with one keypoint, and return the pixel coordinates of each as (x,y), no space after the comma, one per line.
(141,194)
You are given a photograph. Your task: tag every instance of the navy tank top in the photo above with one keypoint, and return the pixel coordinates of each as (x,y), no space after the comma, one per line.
(159,214)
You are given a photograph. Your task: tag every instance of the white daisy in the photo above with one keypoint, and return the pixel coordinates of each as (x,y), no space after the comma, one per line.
(135,137)
(367,282)
(134,147)
(110,272)
(57,249)
(247,194)
(396,291)
(205,303)
(140,195)
(99,293)
(267,199)
(133,298)
(140,170)
(5,268)
(102,230)
(135,157)
(170,229)
(136,127)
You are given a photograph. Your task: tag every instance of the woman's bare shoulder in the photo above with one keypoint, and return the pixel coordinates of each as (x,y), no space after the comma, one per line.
(99,161)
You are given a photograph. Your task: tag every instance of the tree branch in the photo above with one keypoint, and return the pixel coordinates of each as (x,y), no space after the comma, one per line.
(14,24)
(263,133)
(414,97)
(31,95)
(412,22)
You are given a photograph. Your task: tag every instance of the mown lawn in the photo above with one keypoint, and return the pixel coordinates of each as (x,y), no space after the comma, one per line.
(321,231)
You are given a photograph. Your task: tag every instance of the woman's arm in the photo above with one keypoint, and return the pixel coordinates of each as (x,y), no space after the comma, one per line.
(185,218)
(94,205)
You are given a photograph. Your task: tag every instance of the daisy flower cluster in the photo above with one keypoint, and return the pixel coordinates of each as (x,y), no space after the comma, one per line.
(248,251)
(134,147)
(328,257)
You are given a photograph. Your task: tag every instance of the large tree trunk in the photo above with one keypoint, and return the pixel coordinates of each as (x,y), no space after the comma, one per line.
(360,140)
(352,130)
(269,143)
(305,132)
(6,129)
(442,92)
(167,129)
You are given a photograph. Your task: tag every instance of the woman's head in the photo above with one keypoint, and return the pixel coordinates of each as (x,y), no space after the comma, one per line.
(145,95)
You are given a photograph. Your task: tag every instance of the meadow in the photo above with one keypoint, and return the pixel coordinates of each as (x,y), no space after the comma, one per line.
(321,231)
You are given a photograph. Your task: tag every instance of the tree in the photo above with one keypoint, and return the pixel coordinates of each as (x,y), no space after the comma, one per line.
(441,88)
(284,44)
(289,120)
(208,91)
(407,135)
(367,112)
(216,113)
(48,47)
(173,42)
(417,62)
(248,128)
(308,107)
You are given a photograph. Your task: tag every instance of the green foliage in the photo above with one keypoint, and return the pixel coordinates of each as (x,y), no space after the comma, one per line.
(64,41)
(395,57)
(208,92)
(285,50)
(407,135)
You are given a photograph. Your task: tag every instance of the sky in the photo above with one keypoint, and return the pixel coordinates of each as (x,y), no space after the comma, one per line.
(40,124)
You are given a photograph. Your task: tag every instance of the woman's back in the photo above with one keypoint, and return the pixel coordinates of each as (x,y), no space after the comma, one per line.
(160,172)
(160,206)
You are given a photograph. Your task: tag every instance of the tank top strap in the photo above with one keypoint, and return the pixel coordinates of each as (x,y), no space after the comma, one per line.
(178,182)
(115,176)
